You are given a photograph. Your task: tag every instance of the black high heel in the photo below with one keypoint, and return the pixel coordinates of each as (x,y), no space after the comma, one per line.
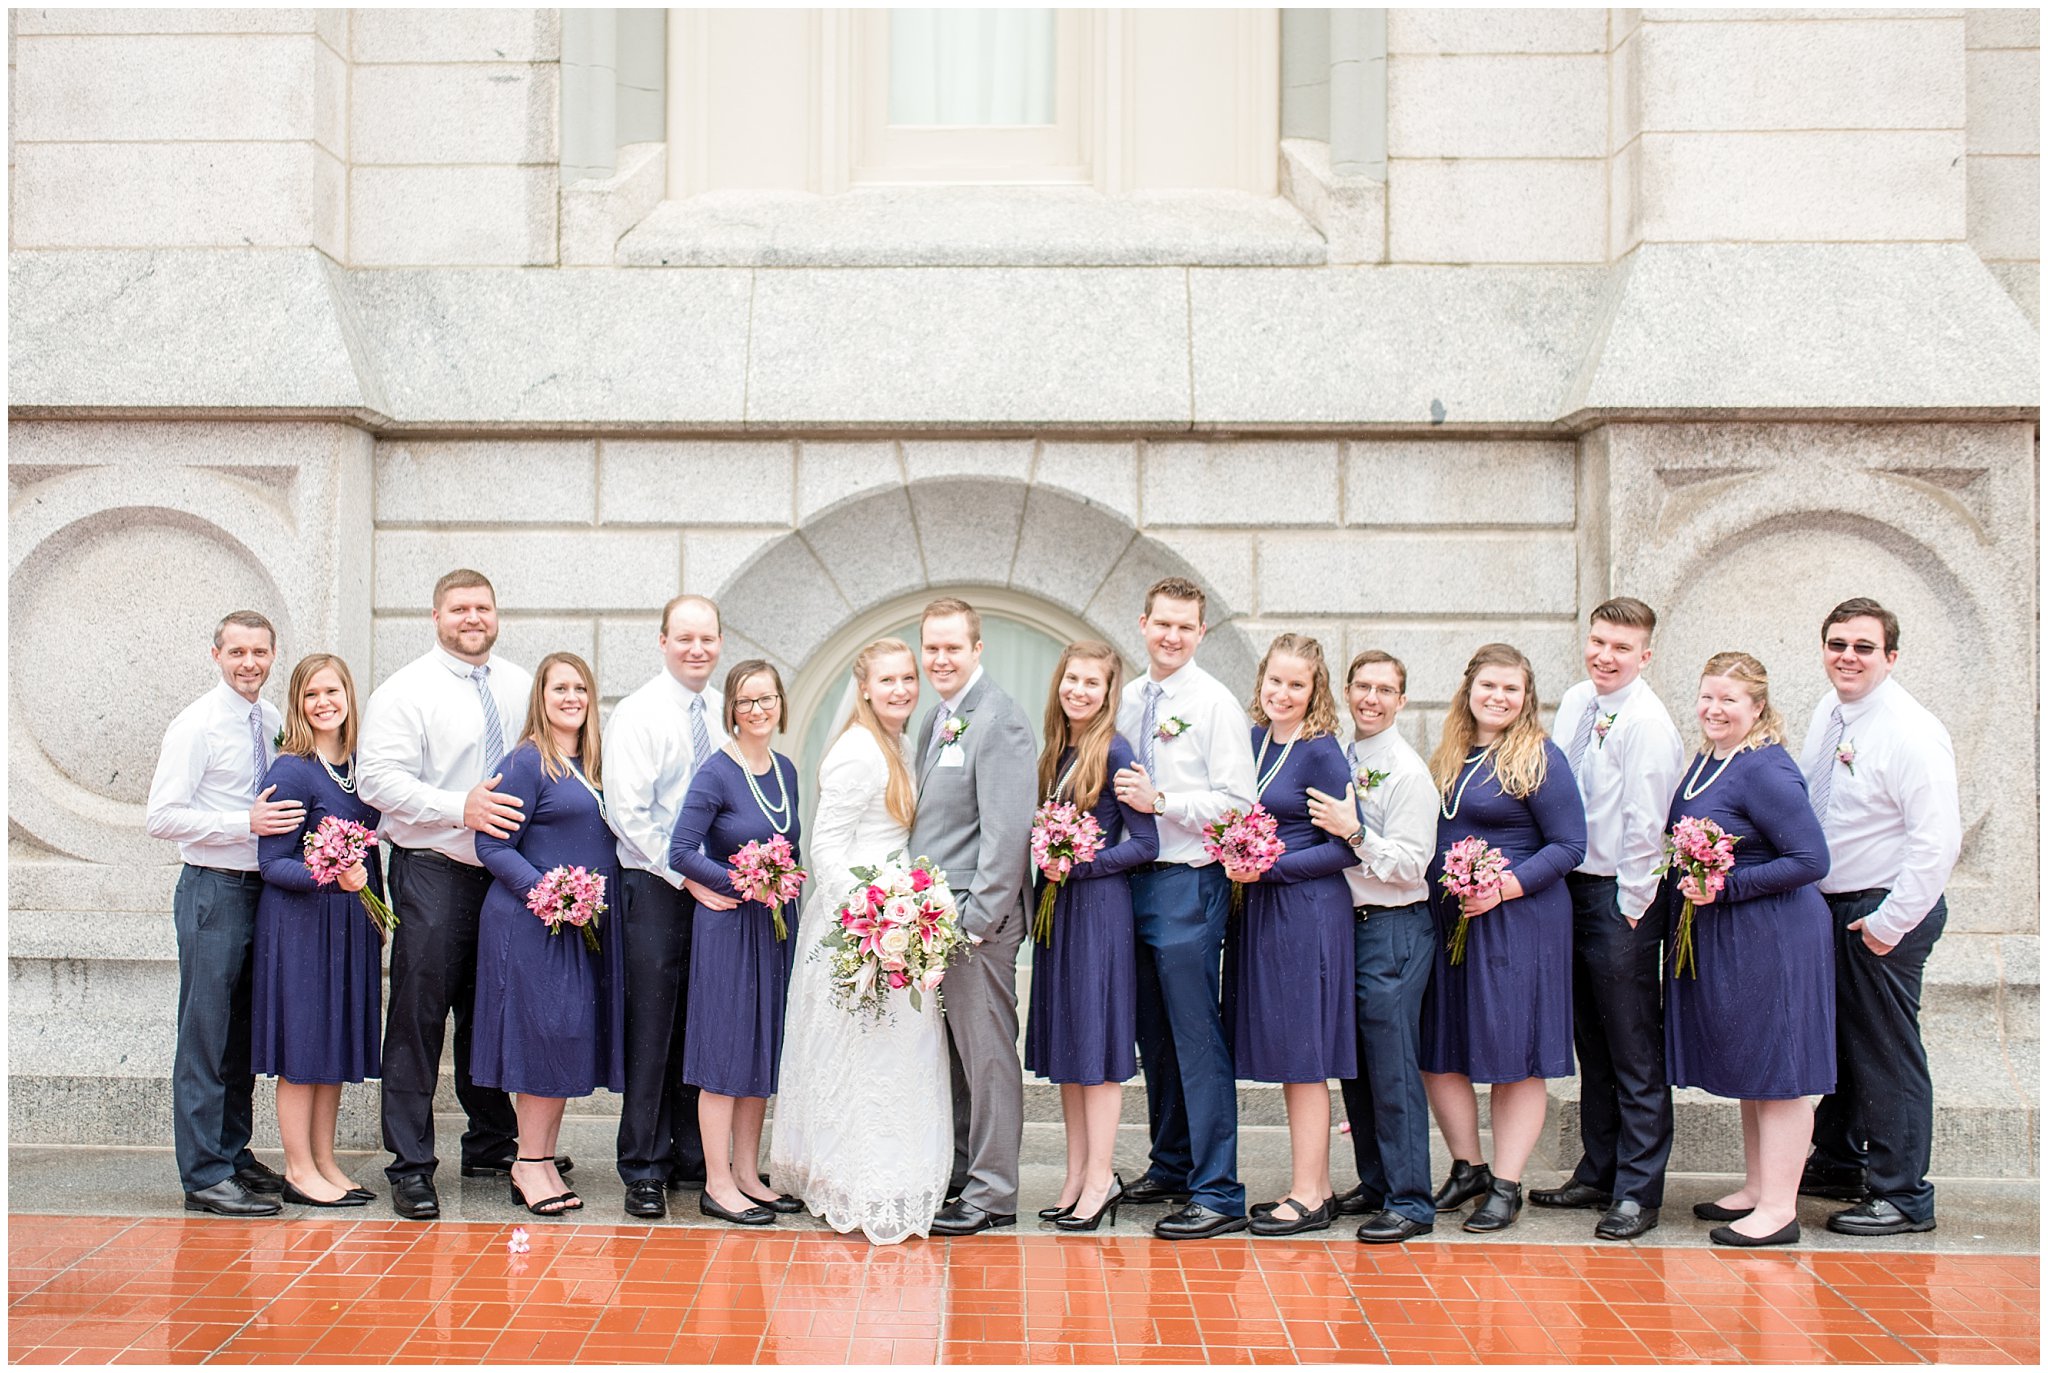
(559,1202)
(1110,1203)
(1055,1212)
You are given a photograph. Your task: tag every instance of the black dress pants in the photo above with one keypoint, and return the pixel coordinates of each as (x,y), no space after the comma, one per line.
(1618,1031)
(658,1135)
(1880,1116)
(433,973)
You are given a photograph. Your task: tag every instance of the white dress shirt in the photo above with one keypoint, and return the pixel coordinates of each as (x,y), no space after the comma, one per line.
(649,759)
(206,780)
(1400,822)
(1626,779)
(422,748)
(1895,819)
(1205,770)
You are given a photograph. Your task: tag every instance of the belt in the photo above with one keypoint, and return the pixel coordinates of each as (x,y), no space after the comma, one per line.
(435,858)
(1589,877)
(1367,912)
(1157,867)
(1866,894)
(231,874)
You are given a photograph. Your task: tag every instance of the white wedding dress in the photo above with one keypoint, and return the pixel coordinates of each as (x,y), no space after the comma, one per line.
(864,1119)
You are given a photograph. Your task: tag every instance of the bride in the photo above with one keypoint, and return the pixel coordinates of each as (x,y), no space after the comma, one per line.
(864,1119)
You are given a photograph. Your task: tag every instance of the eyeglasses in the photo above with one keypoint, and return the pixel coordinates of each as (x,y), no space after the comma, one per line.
(1859,648)
(753,703)
(1369,690)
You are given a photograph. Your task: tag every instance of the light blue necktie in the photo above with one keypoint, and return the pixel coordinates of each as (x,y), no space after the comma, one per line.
(1148,735)
(1820,785)
(256,738)
(494,728)
(700,737)
(1584,736)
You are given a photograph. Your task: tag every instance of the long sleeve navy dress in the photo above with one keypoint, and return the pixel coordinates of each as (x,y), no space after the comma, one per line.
(1289,1005)
(1505,1012)
(739,971)
(1084,984)
(550,1015)
(1758,1022)
(317,995)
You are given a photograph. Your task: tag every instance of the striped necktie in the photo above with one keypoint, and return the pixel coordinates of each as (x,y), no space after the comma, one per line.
(700,737)
(1149,731)
(1820,783)
(494,728)
(257,741)
(1584,736)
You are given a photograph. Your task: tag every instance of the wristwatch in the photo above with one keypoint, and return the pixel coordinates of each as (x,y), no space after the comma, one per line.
(1357,839)
(1159,803)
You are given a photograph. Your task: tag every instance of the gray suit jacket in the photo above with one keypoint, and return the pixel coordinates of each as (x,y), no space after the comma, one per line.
(974,820)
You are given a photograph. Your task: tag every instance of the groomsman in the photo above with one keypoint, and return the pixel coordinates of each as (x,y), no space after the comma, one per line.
(656,740)
(1193,743)
(205,798)
(432,739)
(1389,818)
(1881,774)
(1627,758)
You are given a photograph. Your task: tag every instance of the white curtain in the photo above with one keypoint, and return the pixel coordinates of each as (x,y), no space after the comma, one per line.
(971,66)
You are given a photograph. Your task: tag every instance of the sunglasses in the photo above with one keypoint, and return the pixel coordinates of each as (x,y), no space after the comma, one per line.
(1859,648)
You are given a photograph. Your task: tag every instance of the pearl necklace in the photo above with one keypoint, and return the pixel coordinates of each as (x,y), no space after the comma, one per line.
(1458,797)
(1065,777)
(595,794)
(1692,791)
(778,815)
(1267,779)
(347,784)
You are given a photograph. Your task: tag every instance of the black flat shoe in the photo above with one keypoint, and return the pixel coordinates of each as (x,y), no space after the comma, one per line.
(1467,1180)
(1110,1203)
(781,1203)
(1573,1196)
(365,1193)
(1196,1222)
(1148,1189)
(1356,1203)
(297,1198)
(228,1197)
(1302,1220)
(1626,1220)
(646,1200)
(1502,1208)
(1711,1210)
(1728,1234)
(1391,1227)
(413,1198)
(753,1215)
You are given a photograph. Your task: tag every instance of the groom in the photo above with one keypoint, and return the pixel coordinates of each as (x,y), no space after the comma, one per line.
(977,776)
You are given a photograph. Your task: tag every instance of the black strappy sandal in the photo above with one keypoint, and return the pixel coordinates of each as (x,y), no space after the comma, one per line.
(556,1205)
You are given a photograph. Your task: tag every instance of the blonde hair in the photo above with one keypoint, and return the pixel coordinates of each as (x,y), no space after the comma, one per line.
(1321,717)
(1520,759)
(298,730)
(1740,667)
(901,796)
(552,761)
(1091,750)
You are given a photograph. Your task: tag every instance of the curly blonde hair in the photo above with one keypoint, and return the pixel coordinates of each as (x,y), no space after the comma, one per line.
(1321,717)
(1519,758)
(1740,667)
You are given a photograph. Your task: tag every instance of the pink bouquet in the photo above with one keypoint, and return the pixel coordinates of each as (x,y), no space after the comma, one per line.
(335,846)
(895,931)
(1245,841)
(1473,870)
(569,896)
(1062,835)
(765,871)
(1705,852)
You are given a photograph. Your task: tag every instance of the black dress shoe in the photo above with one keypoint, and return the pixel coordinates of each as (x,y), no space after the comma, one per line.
(1356,1203)
(1877,1217)
(1626,1220)
(753,1215)
(685,1184)
(1467,1180)
(260,1177)
(965,1218)
(1573,1196)
(494,1167)
(1289,1217)
(1728,1234)
(1196,1222)
(1835,1184)
(1502,1208)
(414,1198)
(229,1197)
(1391,1227)
(298,1198)
(646,1199)
(1710,1210)
(1148,1189)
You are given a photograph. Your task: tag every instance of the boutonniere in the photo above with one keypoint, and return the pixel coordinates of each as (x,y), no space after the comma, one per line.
(277,739)
(1371,778)
(1603,723)
(1172,727)
(950,732)
(1846,755)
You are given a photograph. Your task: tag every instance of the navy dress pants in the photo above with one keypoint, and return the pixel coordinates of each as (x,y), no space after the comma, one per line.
(212,1088)
(1385,1103)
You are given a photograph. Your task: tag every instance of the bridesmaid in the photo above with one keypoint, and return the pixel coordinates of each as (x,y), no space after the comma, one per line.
(1288,1001)
(1504,1014)
(1084,982)
(318,983)
(1757,1021)
(739,970)
(550,1015)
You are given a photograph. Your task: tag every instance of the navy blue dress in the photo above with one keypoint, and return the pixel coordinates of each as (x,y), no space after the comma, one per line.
(739,971)
(1505,1013)
(1288,1003)
(550,1015)
(1758,1022)
(1084,984)
(317,995)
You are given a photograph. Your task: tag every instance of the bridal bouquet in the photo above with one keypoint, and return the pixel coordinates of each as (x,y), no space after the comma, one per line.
(767,873)
(895,931)
(1245,841)
(1705,852)
(335,846)
(1473,869)
(1062,834)
(569,896)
